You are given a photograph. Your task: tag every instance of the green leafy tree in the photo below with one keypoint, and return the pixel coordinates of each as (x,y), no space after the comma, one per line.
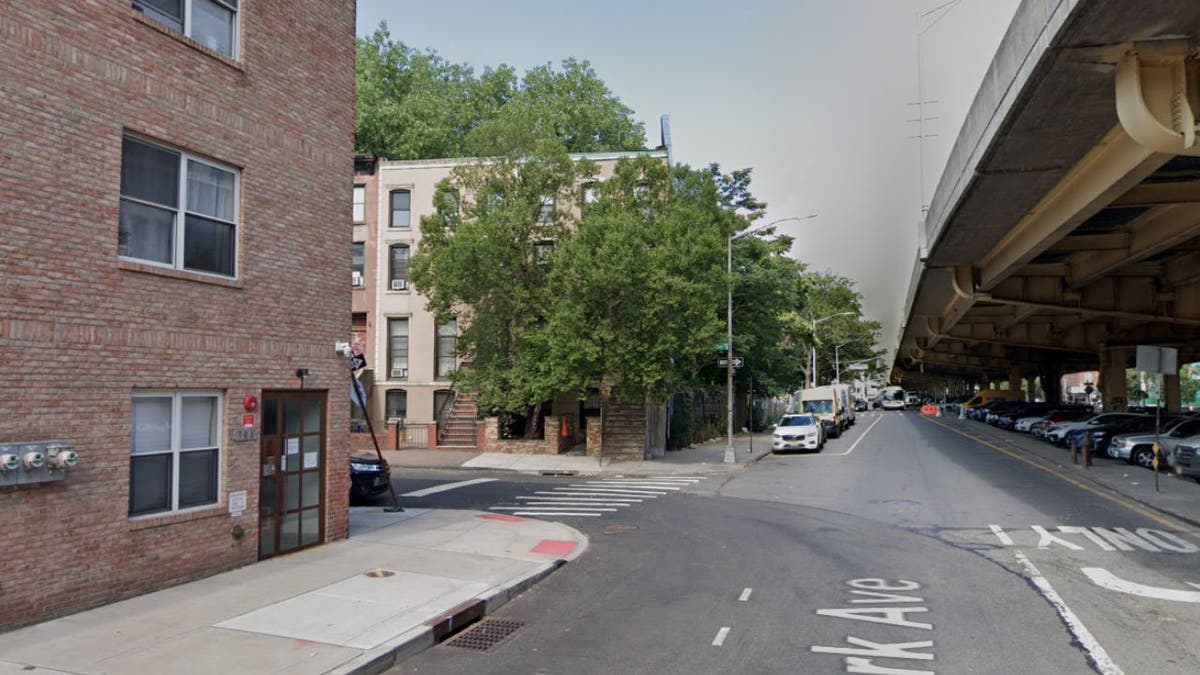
(826,295)
(484,258)
(637,285)
(413,104)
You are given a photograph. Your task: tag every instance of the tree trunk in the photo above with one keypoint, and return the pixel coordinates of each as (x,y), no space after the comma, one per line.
(535,421)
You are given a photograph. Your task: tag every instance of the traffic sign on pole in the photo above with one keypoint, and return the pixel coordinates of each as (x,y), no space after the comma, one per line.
(737,362)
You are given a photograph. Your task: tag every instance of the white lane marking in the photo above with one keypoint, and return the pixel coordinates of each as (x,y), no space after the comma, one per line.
(745,595)
(1105,579)
(446,486)
(622,500)
(616,491)
(555,513)
(596,493)
(860,439)
(1001,535)
(1104,664)
(627,484)
(721,635)
(531,507)
(587,503)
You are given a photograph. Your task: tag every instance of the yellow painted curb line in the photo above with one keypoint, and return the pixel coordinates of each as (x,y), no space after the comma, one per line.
(1132,506)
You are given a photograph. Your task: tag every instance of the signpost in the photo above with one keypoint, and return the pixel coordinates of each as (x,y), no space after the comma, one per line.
(737,362)
(359,397)
(1164,361)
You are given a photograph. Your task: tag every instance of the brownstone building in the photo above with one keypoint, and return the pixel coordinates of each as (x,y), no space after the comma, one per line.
(173,177)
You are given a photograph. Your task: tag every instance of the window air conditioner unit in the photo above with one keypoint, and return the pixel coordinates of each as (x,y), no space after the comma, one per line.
(399,372)
(399,284)
(356,279)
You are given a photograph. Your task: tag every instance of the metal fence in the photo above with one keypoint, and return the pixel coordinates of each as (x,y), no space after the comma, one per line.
(412,436)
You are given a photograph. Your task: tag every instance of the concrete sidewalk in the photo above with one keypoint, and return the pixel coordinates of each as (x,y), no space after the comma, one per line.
(705,458)
(359,605)
(1176,496)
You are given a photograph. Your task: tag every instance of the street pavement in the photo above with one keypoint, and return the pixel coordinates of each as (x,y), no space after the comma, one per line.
(908,546)
(904,547)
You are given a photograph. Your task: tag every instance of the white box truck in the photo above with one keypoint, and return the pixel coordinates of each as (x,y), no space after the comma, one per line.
(825,403)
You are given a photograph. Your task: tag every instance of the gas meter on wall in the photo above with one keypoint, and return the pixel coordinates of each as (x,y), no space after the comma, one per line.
(36,462)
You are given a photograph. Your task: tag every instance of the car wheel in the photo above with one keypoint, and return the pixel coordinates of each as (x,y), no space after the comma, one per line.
(1143,456)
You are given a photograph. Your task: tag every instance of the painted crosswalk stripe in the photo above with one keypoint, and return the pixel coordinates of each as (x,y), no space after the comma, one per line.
(596,494)
(582,505)
(446,486)
(615,488)
(547,508)
(555,513)
(615,491)
(648,486)
(559,498)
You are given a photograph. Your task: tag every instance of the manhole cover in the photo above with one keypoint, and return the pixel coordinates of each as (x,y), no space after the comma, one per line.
(379,574)
(619,529)
(485,634)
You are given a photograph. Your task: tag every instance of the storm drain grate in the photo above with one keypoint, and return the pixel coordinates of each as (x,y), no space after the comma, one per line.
(485,634)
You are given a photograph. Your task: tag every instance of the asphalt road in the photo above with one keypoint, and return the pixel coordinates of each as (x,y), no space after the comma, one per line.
(904,547)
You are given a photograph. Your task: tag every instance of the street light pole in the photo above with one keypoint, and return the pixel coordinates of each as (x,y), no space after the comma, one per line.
(813,365)
(730,455)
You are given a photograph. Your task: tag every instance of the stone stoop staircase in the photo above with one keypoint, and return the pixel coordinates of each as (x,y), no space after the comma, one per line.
(459,428)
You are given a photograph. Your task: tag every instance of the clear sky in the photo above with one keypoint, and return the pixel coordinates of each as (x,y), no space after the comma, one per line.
(813,94)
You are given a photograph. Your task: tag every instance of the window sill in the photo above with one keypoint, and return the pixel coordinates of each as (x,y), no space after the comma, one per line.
(145,268)
(194,44)
(176,517)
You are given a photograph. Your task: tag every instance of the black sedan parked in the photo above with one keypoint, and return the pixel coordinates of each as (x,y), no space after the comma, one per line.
(369,476)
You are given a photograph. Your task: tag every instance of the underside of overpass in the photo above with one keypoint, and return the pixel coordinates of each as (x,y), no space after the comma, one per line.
(1065,230)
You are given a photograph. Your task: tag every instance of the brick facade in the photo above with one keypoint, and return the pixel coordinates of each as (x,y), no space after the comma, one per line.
(81,330)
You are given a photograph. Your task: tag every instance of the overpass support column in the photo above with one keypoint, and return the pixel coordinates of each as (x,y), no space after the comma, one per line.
(1052,383)
(1112,379)
(1016,378)
(1171,391)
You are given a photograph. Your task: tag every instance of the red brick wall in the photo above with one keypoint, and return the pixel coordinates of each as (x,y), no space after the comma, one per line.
(80,332)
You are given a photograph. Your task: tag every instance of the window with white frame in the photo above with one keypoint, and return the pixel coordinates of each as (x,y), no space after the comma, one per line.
(176,210)
(398,267)
(357,263)
(398,349)
(546,211)
(401,208)
(360,203)
(447,348)
(212,23)
(174,451)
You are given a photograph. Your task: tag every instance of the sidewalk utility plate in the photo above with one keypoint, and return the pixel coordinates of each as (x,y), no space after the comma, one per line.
(360,612)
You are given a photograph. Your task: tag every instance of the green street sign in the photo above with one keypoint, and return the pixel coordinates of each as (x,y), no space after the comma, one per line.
(723,347)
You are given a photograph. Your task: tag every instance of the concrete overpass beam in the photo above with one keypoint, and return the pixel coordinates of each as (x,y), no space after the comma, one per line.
(1156,91)
(1111,169)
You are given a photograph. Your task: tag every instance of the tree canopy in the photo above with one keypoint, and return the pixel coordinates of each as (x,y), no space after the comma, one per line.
(414,104)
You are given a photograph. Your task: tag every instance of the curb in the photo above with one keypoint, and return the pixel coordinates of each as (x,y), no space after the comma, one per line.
(441,627)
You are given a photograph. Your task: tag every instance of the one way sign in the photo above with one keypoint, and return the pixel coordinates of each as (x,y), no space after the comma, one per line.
(737,362)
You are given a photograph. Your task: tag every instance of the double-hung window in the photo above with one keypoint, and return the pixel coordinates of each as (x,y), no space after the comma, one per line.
(212,23)
(360,203)
(177,210)
(175,451)
(357,263)
(398,349)
(401,208)
(447,348)
(398,267)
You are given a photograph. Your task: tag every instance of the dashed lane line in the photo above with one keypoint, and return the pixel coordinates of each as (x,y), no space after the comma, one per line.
(721,635)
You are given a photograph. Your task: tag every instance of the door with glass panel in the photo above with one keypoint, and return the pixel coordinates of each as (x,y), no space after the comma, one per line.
(291,472)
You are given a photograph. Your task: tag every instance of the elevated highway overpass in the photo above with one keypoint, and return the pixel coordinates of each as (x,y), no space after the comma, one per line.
(1065,230)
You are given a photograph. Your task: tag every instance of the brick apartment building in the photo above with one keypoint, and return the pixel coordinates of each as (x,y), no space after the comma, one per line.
(410,357)
(171,176)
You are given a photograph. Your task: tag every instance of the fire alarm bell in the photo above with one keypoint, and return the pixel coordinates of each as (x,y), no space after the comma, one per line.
(250,403)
